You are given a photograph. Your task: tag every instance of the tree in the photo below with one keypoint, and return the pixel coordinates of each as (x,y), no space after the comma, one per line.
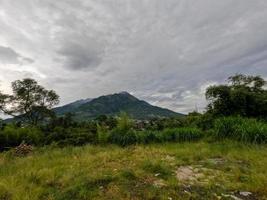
(244,96)
(29,102)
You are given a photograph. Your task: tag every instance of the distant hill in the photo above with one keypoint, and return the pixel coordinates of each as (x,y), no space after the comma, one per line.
(112,105)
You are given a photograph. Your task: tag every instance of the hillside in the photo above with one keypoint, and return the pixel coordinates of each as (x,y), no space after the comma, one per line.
(114,104)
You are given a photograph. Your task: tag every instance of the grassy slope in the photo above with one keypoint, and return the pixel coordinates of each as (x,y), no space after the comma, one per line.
(140,172)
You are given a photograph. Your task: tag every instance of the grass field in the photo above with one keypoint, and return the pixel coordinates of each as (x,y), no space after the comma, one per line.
(171,171)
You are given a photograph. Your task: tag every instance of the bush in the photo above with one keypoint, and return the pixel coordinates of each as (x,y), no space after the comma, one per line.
(71,136)
(12,136)
(241,129)
(185,134)
(123,138)
(124,123)
(102,134)
(146,137)
(205,122)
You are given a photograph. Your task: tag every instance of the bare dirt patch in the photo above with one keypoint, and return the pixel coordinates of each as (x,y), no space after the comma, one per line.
(195,174)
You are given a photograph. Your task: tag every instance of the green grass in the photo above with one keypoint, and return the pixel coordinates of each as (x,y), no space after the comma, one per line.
(136,172)
(241,129)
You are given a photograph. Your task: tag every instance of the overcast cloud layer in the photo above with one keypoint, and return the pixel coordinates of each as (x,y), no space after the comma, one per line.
(163,51)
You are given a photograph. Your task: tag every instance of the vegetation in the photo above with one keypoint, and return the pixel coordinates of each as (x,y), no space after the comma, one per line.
(214,155)
(244,96)
(30,101)
(241,129)
(220,171)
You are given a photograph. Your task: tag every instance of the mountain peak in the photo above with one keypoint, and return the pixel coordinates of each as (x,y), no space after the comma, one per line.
(124,92)
(114,104)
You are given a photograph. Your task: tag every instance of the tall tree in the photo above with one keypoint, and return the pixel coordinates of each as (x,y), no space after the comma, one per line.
(243,95)
(29,101)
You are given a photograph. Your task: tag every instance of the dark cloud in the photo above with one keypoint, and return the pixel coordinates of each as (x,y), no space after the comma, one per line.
(79,56)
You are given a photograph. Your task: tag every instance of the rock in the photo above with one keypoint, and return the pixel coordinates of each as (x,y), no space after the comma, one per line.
(186,173)
(245,194)
(231,196)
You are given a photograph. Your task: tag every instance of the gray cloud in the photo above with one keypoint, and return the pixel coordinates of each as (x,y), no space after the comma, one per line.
(79,56)
(166,52)
(9,56)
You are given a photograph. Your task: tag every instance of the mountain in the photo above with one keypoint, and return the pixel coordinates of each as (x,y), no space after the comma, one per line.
(112,105)
(69,108)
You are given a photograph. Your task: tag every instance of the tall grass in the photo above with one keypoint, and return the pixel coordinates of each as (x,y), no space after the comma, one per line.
(241,129)
(146,137)
(185,134)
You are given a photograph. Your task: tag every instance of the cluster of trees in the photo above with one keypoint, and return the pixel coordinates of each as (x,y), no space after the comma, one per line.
(243,98)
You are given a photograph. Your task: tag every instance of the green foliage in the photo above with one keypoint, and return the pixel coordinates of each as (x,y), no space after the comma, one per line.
(29,102)
(244,96)
(102,134)
(71,136)
(146,137)
(65,121)
(185,134)
(202,121)
(124,123)
(158,124)
(109,122)
(12,136)
(123,134)
(241,129)
(122,138)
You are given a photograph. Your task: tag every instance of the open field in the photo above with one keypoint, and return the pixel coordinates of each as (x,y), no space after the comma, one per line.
(199,170)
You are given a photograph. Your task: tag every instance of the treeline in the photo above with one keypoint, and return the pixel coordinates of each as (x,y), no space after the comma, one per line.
(236,111)
(125,131)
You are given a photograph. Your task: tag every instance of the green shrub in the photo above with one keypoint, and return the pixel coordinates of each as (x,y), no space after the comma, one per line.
(241,129)
(146,137)
(12,136)
(102,134)
(185,134)
(71,136)
(124,123)
(123,138)
(205,122)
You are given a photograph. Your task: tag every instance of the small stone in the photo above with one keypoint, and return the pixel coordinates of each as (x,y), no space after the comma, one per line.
(231,196)
(245,194)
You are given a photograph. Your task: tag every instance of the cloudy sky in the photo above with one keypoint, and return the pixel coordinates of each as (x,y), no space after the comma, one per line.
(163,51)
